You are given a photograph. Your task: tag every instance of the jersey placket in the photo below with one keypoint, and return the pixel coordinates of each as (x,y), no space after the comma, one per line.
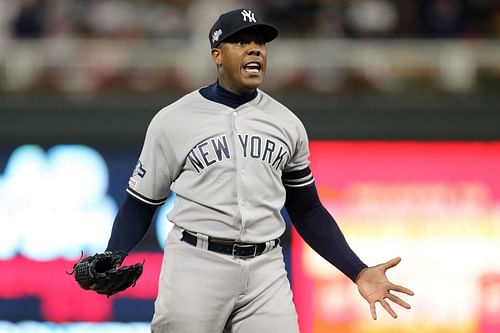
(240,170)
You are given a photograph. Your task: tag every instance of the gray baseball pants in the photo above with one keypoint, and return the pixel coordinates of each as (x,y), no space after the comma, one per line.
(201,291)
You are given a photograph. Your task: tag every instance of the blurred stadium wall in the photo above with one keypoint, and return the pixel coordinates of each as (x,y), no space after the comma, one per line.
(342,89)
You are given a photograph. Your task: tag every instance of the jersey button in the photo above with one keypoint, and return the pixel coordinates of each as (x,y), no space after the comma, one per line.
(242,171)
(235,114)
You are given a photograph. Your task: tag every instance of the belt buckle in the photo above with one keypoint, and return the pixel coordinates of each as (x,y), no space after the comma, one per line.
(235,245)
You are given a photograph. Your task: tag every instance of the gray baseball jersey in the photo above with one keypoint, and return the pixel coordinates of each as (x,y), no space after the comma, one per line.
(224,164)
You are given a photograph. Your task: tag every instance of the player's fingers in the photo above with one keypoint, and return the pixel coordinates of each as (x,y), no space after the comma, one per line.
(388,308)
(401,289)
(373,311)
(398,301)
(391,263)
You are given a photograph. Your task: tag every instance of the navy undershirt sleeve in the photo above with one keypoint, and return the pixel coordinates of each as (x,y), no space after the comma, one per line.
(131,224)
(319,229)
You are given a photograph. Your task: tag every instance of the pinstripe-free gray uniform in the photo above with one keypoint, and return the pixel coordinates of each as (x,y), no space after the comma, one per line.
(225,166)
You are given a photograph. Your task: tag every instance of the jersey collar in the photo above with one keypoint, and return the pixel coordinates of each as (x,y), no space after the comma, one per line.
(216,93)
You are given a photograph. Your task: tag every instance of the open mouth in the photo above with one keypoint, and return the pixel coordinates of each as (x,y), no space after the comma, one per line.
(252,67)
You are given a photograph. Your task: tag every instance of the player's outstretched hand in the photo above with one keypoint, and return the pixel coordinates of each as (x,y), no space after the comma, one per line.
(374,286)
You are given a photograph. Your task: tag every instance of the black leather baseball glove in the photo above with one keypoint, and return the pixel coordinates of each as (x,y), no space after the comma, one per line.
(102,273)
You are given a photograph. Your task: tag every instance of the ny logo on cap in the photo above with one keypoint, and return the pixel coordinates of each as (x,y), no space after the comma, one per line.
(248,14)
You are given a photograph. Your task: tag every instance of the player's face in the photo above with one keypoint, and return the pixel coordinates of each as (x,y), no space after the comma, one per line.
(241,60)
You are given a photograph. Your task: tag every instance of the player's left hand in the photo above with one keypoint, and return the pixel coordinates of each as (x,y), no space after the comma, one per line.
(374,286)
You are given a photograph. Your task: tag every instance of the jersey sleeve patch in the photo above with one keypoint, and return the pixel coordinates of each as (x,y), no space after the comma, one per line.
(142,198)
(297,178)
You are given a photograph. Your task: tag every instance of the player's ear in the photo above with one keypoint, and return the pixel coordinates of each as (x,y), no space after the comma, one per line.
(217,56)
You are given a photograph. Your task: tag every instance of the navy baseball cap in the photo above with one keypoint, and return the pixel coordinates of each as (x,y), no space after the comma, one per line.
(237,20)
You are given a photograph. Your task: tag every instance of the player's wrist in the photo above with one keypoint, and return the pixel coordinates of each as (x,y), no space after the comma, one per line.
(358,276)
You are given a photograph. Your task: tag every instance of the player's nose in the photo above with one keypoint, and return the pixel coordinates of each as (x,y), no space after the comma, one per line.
(255,49)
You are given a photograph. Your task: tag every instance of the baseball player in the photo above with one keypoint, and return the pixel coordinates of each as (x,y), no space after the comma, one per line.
(235,157)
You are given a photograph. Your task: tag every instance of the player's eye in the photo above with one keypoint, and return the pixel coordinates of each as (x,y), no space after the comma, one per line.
(243,42)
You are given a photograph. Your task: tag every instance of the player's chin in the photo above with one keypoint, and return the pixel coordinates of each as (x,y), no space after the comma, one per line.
(253,80)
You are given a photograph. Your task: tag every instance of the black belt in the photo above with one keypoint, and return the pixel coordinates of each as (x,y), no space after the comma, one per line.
(236,249)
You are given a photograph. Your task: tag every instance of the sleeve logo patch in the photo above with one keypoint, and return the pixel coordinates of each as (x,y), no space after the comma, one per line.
(139,170)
